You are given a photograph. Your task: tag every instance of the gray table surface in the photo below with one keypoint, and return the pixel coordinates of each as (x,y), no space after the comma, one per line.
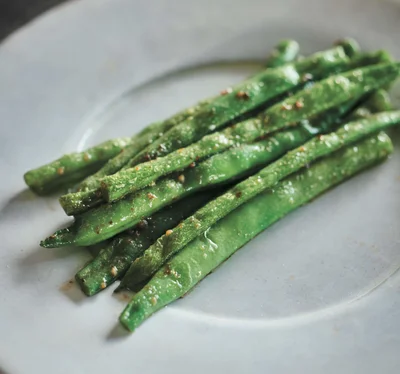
(16,13)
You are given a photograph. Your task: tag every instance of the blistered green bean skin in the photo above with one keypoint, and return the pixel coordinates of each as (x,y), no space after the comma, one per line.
(285,51)
(207,252)
(255,154)
(245,97)
(166,246)
(230,105)
(115,258)
(235,163)
(350,46)
(113,261)
(379,101)
(323,95)
(241,161)
(72,167)
(227,166)
(138,143)
(93,226)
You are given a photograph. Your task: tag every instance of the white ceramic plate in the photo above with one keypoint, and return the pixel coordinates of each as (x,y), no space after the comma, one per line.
(316,293)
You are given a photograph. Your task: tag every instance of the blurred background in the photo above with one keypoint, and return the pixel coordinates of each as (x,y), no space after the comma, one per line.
(15,13)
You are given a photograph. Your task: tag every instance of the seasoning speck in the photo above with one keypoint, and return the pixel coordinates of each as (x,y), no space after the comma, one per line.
(137,168)
(299,104)
(238,194)
(306,77)
(103,285)
(181,178)
(242,95)
(151,196)
(167,270)
(153,300)
(286,106)
(114,271)
(86,157)
(168,232)
(60,171)
(226,91)
(192,165)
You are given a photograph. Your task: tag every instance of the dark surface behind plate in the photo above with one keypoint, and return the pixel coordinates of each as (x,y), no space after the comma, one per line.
(15,13)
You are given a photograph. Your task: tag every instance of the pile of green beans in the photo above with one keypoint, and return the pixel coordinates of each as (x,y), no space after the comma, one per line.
(254,153)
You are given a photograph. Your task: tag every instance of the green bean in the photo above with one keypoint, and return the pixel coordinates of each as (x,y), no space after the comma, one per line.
(327,93)
(324,122)
(109,157)
(207,252)
(246,96)
(227,107)
(115,257)
(285,51)
(138,143)
(323,145)
(235,163)
(113,261)
(350,46)
(379,101)
(119,254)
(72,167)
(93,226)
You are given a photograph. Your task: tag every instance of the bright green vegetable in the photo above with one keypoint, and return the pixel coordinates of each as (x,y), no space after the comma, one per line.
(240,161)
(323,145)
(323,95)
(230,105)
(350,46)
(285,51)
(254,153)
(245,97)
(109,157)
(138,143)
(379,101)
(371,58)
(93,226)
(72,167)
(234,163)
(206,253)
(116,256)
